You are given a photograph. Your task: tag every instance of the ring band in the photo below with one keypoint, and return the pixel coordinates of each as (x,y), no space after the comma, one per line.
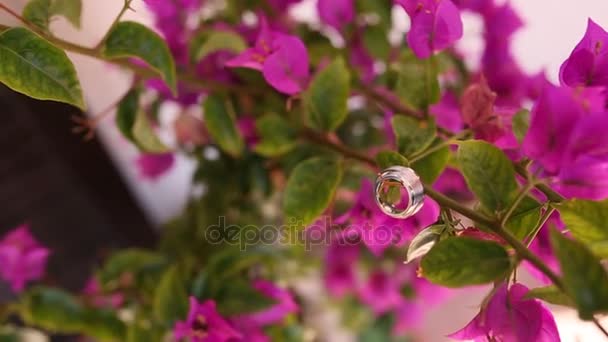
(408,180)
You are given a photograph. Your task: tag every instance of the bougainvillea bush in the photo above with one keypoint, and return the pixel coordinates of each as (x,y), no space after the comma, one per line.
(289,123)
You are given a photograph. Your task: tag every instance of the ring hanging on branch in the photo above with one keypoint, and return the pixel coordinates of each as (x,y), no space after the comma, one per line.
(399,192)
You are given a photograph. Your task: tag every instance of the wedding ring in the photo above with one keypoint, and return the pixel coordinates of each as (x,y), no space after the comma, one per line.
(399,192)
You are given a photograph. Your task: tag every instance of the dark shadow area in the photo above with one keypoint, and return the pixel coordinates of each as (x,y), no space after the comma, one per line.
(67,189)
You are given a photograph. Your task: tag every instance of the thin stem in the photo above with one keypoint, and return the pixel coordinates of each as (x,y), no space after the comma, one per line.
(546,190)
(393,103)
(123,10)
(439,146)
(522,194)
(599,326)
(143,72)
(14,14)
(340,148)
(541,222)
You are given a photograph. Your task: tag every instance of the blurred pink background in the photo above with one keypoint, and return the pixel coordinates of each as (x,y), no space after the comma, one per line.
(552,29)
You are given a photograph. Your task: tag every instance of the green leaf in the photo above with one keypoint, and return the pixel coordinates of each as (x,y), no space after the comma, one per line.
(143,332)
(462,261)
(132,261)
(221,123)
(144,135)
(126,114)
(326,99)
(413,135)
(585,279)
(34,67)
(52,309)
(386,159)
(237,296)
(588,222)
(70,9)
(171,296)
(131,39)
(209,42)
(430,167)
(103,325)
(422,243)
(550,294)
(310,188)
(489,174)
(277,136)
(40,12)
(376,40)
(521,122)
(524,217)
(417,82)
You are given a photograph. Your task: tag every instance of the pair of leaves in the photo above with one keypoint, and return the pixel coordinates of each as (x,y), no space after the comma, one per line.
(33,66)
(58,311)
(135,124)
(326,99)
(491,177)
(40,12)
(310,189)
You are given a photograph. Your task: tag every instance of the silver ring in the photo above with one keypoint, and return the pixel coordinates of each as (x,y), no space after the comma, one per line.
(388,192)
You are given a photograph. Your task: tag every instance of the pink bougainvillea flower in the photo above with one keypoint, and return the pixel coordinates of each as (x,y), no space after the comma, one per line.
(361,59)
(477,103)
(97,298)
(585,178)
(282,5)
(22,258)
(377,230)
(151,165)
(282,59)
(503,73)
(565,139)
(252,324)
(170,19)
(340,264)
(336,13)
(588,62)
(447,113)
(452,183)
(204,324)
(436,25)
(552,121)
(381,292)
(508,316)
(276,313)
